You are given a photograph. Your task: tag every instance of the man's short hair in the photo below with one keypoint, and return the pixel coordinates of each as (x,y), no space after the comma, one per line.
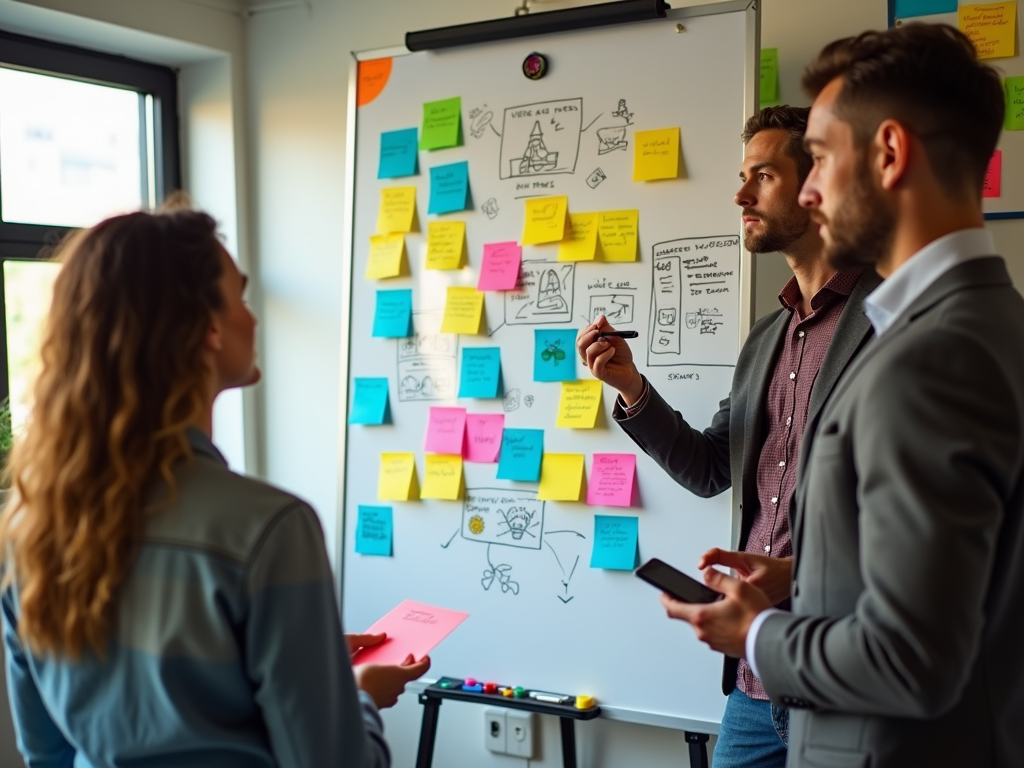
(784,118)
(927,77)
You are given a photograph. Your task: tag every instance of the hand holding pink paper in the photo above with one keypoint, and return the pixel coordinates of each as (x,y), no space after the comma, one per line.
(412,628)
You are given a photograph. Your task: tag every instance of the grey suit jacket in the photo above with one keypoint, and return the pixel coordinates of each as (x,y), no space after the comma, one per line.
(906,642)
(710,461)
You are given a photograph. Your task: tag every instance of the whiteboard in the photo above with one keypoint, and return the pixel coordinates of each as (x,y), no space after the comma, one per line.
(540,617)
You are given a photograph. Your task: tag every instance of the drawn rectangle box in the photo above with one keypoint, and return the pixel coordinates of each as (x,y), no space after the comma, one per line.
(543,294)
(502,516)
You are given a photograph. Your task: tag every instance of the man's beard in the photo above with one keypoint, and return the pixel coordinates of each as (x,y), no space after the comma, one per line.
(779,233)
(861,231)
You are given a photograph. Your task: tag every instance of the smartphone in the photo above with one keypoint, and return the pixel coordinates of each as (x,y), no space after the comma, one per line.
(676,583)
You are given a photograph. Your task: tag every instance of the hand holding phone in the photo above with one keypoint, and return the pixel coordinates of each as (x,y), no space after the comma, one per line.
(676,583)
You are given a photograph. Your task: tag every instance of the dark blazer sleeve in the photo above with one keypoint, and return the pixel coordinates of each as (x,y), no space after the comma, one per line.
(698,461)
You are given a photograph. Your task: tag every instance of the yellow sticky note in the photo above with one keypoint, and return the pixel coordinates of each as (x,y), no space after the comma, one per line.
(656,154)
(579,405)
(397,480)
(462,310)
(617,233)
(442,477)
(580,243)
(545,219)
(397,210)
(446,244)
(387,253)
(561,477)
(991,27)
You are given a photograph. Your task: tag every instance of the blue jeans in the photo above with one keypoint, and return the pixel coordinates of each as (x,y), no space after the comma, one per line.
(753,734)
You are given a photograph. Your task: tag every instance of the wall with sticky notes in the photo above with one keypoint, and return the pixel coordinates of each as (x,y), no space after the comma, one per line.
(529,208)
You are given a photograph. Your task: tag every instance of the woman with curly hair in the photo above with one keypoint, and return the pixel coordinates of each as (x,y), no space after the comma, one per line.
(159,609)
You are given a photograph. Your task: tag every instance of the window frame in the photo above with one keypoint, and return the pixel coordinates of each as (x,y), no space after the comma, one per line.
(30,242)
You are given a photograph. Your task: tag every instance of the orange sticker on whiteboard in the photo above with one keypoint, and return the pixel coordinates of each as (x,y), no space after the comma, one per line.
(373,76)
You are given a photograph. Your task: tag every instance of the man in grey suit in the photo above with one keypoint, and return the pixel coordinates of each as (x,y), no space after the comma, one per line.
(790,362)
(904,647)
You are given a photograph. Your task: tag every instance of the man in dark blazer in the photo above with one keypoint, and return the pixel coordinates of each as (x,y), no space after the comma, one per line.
(786,369)
(904,647)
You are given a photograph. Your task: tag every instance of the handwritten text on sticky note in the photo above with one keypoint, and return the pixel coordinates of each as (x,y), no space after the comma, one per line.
(615,543)
(580,243)
(656,154)
(369,401)
(374,531)
(612,480)
(1014,88)
(463,309)
(483,436)
(392,317)
(545,219)
(397,210)
(617,232)
(441,124)
(387,252)
(445,430)
(397,481)
(398,154)
(449,188)
(446,244)
(442,477)
(481,372)
(579,404)
(500,269)
(994,176)
(991,27)
(521,453)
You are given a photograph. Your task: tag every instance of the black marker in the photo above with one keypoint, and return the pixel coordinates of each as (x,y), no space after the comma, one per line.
(618,334)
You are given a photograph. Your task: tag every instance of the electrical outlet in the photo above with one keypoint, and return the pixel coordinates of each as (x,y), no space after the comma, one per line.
(519,733)
(494,730)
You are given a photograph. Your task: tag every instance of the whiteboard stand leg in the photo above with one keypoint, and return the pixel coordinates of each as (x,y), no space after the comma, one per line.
(698,749)
(428,730)
(568,743)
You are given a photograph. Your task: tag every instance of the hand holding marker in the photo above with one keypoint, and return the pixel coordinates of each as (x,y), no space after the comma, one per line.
(618,334)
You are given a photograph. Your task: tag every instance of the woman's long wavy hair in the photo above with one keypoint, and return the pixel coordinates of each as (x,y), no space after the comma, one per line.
(123,374)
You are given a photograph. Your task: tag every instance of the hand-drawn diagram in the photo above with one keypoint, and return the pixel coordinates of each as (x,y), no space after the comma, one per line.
(509,518)
(543,294)
(617,307)
(695,288)
(490,207)
(623,112)
(594,179)
(528,401)
(540,139)
(427,362)
(510,402)
(480,121)
(613,137)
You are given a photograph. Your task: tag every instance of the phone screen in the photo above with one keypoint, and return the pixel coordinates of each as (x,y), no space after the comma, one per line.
(675,582)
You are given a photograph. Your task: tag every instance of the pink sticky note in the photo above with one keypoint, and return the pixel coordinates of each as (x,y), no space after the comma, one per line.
(412,627)
(483,436)
(994,175)
(500,269)
(445,429)
(612,480)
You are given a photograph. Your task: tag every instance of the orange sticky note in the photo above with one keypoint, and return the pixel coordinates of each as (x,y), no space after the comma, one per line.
(991,27)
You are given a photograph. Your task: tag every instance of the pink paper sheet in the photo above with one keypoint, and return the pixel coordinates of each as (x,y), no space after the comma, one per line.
(500,269)
(612,480)
(412,627)
(994,176)
(483,436)
(445,430)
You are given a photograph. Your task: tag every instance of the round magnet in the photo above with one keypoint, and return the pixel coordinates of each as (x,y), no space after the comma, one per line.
(535,66)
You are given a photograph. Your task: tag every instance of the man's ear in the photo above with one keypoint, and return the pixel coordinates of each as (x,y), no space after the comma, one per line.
(892,160)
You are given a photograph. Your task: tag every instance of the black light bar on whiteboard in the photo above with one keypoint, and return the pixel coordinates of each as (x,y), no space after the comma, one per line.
(536,24)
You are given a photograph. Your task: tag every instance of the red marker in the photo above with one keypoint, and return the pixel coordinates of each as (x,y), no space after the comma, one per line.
(490,687)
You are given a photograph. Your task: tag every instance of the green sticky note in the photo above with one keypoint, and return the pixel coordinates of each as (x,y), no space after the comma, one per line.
(769,76)
(442,124)
(1014,89)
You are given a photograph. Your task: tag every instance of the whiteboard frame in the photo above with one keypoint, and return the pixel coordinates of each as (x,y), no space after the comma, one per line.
(751,100)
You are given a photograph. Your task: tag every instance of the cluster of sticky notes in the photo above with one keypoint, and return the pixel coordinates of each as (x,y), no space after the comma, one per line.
(993,176)
(656,154)
(500,268)
(521,454)
(615,543)
(480,375)
(1014,89)
(579,404)
(463,310)
(909,8)
(449,188)
(398,154)
(446,244)
(561,477)
(770,77)
(397,480)
(992,27)
(554,355)
(612,480)
(442,124)
(392,317)
(475,436)
(387,256)
(442,476)
(370,402)
(374,531)
(397,210)
(608,235)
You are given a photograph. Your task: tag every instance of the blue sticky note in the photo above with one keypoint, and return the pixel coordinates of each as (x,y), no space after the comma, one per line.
(399,152)
(449,188)
(481,372)
(521,452)
(908,8)
(554,355)
(374,530)
(615,543)
(393,316)
(370,402)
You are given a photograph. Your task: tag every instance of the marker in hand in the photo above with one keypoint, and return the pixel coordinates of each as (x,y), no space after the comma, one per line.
(618,334)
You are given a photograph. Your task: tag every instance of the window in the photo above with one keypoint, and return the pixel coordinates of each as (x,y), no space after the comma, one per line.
(83,135)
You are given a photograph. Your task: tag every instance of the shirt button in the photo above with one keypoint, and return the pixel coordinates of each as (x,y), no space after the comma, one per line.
(767,547)
(789,420)
(782,463)
(792,375)
(800,334)
(775,499)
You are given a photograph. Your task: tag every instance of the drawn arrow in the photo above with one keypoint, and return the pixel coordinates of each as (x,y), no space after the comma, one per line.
(445,545)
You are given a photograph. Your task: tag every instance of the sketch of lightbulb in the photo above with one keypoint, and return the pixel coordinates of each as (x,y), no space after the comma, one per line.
(519,521)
